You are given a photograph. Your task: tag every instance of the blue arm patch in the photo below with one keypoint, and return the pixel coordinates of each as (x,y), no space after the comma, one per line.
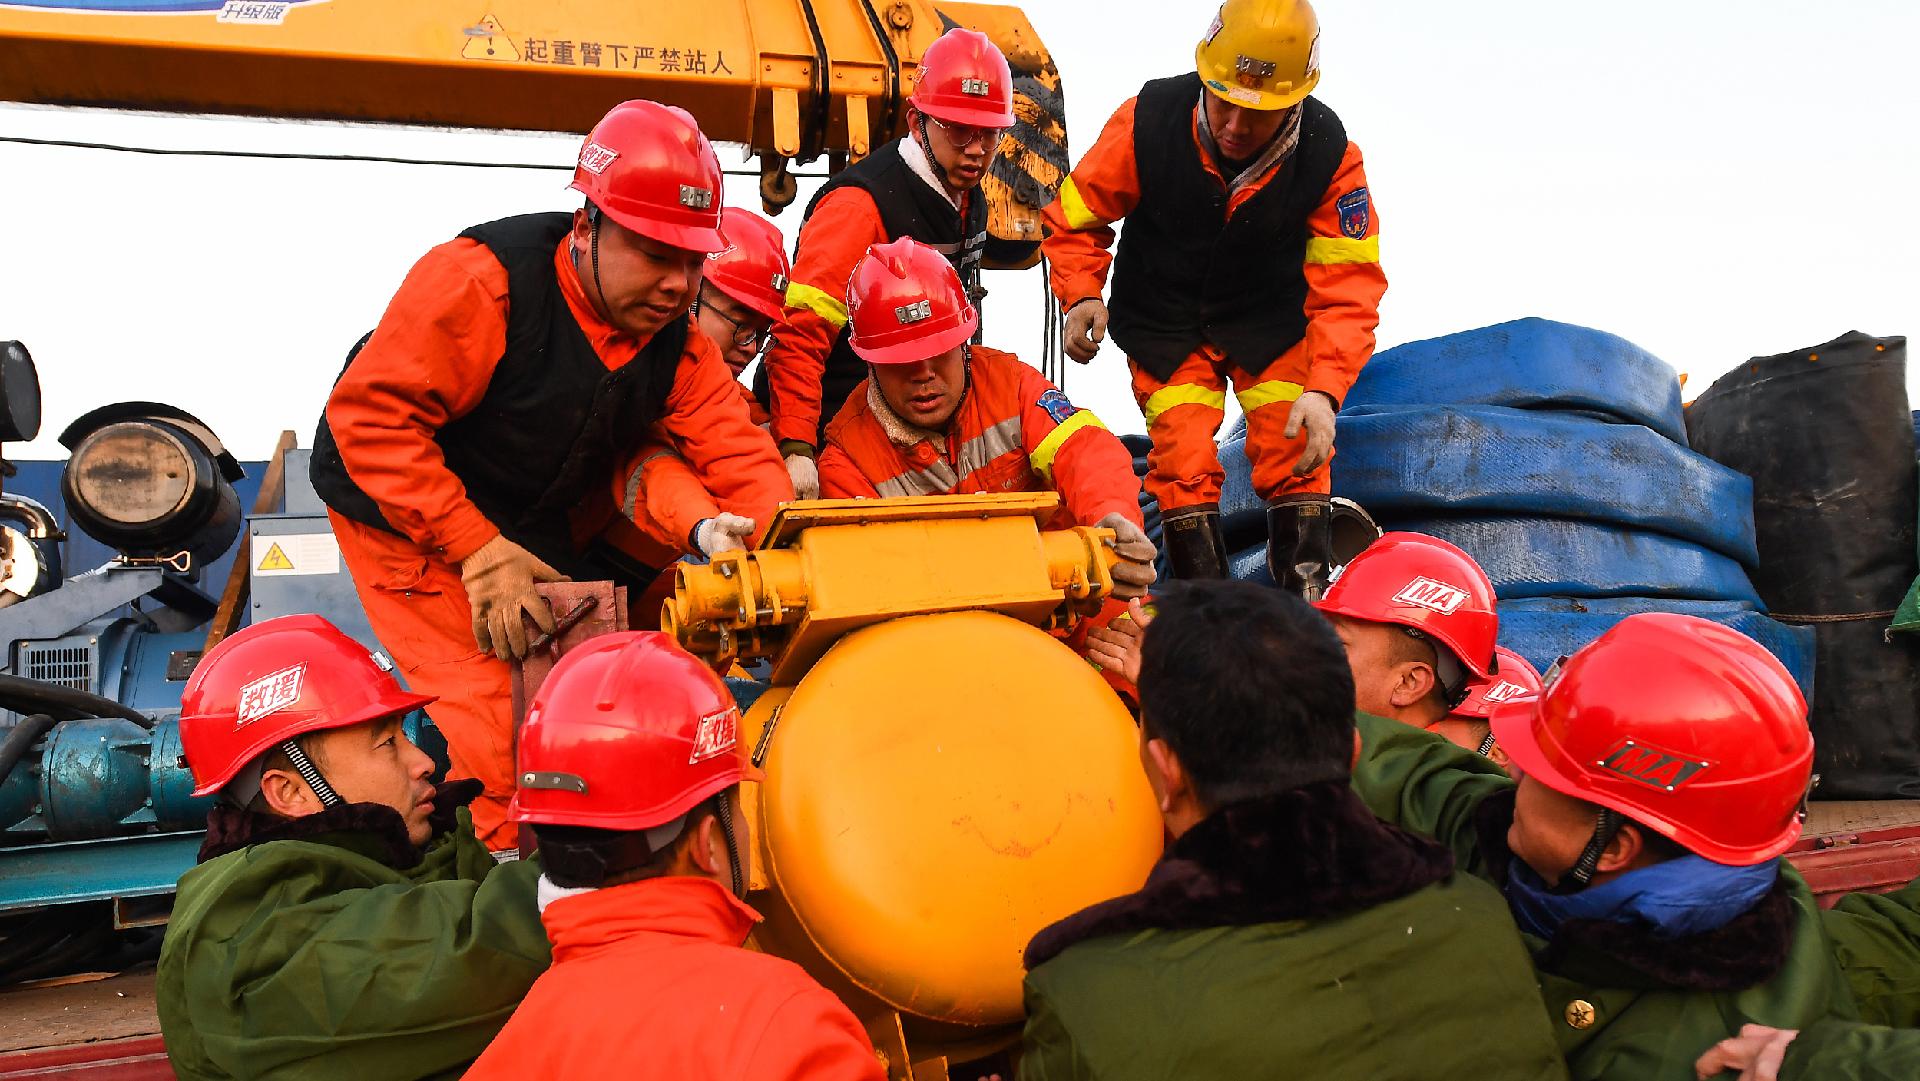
(1057,406)
(1356,213)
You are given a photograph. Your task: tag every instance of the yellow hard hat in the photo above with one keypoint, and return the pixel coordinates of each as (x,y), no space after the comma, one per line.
(1262,54)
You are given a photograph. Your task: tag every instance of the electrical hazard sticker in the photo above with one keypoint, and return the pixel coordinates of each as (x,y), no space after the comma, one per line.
(1356,213)
(1057,406)
(297,553)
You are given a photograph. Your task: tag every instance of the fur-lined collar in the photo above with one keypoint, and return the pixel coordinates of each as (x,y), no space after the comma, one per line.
(1307,853)
(915,156)
(378,827)
(899,432)
(1747,952)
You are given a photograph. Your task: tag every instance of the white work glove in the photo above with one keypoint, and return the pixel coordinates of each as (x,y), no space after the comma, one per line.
(1086,329)
(722,533)
(499,577)
(1134,573)
(805,474)
(1314,412)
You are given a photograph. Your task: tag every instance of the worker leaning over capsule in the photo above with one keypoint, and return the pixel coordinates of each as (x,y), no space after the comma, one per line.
(465,452)
(630,773)
(1661,777)
(939,416)
(740,300)
(1250,258)
(1286,931)
(924,185)
(343,921)
(1417,618)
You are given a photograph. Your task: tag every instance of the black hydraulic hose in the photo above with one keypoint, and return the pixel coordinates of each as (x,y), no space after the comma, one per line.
(63,703)
(20,739)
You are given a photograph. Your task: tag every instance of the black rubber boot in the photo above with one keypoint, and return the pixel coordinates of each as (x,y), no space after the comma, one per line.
(1192,539)
(1300,544)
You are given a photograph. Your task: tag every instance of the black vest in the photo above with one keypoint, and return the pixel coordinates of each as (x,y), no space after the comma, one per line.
(1185,272)
(554,420)
(908,207)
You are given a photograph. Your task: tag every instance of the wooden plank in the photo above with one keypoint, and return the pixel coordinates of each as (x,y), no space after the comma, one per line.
(233,599)
(117,1008)
(1854,816)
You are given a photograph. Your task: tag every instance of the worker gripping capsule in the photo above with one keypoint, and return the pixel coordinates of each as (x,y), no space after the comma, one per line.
(828,567)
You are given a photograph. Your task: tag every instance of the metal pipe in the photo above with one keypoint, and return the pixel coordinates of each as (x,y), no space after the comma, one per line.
(64,703)
(20,739)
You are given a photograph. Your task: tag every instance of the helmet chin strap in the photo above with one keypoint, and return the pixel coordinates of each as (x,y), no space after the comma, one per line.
(593,224)
(310,773)
(926,146)
(724,812)
(1606,826)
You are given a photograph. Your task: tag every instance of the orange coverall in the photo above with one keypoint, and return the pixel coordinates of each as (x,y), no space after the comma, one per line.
(428,363)
(650,979)
(1344,287)
(665,499)
(1013,432)
(841,229)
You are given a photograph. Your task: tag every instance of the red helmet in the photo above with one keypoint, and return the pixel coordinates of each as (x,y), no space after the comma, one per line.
(1686,726)
(965,80)
(754,269)
(275,680)
(1413,580)
(905,304)
(1514,679)
(646,166)
(628,732)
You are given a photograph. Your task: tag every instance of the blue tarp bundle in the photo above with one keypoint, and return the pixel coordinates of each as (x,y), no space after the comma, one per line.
(1556,455)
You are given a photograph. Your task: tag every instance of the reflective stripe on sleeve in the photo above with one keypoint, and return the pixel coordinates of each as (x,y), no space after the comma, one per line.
(1267,393)
(818,301)
(1330,250)
(1078,216)
(1042,457)
(630,502)
(1182,394)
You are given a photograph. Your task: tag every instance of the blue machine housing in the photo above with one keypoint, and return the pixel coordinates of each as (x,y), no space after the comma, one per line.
(102,809)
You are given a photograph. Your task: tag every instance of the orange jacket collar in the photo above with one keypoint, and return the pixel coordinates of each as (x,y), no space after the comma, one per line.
(698,909)
(614,346)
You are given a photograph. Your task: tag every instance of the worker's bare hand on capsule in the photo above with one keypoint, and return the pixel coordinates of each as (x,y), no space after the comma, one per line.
(1313,412)
(500,579)
(1116,646)
(1134,573)
(1086,329)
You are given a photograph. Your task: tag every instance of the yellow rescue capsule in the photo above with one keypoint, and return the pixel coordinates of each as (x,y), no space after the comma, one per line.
(941,787)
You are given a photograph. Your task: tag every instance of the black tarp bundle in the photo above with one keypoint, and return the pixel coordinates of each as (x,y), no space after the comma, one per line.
(1827,436)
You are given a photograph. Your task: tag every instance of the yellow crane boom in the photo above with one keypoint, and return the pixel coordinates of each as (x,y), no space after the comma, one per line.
(792,80)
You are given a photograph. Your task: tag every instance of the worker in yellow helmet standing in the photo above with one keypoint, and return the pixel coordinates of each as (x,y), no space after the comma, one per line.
(1250,258)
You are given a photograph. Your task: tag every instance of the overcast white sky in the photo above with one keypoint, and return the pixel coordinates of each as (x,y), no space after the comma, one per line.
(1712,179)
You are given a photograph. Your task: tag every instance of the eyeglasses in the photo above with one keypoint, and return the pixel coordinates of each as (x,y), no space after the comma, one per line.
(745,334)
(962,136)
